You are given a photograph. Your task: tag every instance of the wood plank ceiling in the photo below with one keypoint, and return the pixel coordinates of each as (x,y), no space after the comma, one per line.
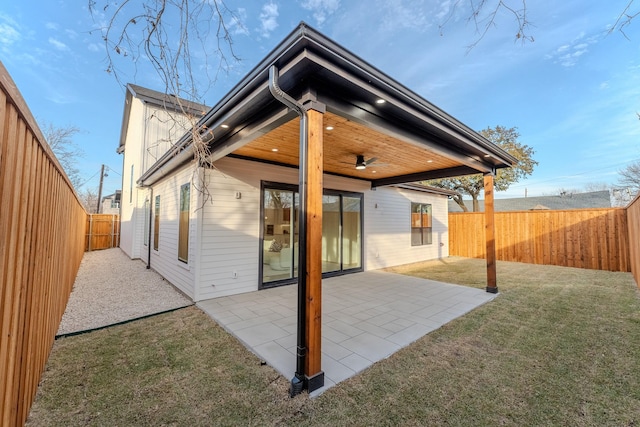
(343,141)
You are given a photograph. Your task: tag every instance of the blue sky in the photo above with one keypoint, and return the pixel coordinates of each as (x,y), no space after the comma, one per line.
(573,93)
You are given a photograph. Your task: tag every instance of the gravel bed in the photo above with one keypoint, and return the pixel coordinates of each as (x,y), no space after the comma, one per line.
(111,288)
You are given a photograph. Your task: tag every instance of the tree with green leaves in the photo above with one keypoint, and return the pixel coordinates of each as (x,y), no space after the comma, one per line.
(472,185)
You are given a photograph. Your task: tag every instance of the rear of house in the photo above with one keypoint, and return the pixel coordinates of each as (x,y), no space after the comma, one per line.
(231,221)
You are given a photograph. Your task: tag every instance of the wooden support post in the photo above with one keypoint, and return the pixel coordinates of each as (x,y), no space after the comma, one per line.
(490,236)
(313,314)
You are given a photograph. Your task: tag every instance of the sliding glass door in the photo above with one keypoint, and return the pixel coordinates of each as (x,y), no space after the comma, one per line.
(341,233)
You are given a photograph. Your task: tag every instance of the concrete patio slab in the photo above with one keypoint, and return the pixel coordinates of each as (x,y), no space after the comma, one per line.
(366,317)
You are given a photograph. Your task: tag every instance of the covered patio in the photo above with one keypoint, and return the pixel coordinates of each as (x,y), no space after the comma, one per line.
(366,317)
(315,107)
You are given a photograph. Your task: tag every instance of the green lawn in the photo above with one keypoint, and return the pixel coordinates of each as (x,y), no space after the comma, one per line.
(559,346)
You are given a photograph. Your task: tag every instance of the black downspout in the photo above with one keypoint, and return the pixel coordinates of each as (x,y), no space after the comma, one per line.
(150,230)
(298,381)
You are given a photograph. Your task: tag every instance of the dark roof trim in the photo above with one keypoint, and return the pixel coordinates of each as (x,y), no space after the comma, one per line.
(426,189)
(158,99)
(424,176)
(164,100)
(291,51)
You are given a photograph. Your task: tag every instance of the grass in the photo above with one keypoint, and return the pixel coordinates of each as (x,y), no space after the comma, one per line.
(559,346)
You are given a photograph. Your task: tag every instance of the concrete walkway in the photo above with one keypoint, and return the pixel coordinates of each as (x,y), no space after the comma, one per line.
(366,317)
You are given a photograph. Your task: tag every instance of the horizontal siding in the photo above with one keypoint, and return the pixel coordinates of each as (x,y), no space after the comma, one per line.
(388,228)
(165,259)
(231,227)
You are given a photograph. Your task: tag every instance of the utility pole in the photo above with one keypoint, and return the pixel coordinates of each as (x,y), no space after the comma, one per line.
(100,189)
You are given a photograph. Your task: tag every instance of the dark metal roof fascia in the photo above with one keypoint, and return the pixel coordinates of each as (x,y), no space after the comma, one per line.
(303,37)
(125,122)
(426,189)
(403,93)
(164,100)
(259,75)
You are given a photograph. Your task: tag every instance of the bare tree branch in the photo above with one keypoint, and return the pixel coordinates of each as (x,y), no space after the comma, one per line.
(60,139)
(624,20)
(630,176)
(483,16)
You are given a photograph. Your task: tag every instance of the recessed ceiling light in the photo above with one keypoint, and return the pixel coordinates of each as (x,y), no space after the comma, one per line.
(380,101)
(329,128)
(224,126)
(275,150)
(487,155)
(374,171)
(429,161)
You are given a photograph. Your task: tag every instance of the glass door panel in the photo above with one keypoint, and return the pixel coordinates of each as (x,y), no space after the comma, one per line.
(351,229)
(331,246)
(279,235)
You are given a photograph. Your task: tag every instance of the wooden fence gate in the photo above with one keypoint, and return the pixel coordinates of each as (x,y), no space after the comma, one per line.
(103,232)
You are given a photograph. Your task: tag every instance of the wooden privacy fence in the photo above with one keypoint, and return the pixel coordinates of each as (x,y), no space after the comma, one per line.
(41,246)
(633,221)
(102,232)
(584,238)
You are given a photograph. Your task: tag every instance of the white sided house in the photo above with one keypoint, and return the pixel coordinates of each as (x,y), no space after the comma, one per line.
(313,159)
(234,227)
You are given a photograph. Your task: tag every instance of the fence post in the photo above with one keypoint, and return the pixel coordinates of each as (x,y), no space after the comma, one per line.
(90,231)
(112,230)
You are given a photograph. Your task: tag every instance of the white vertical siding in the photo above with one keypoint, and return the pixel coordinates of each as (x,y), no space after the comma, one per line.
(151,132)
(165,259)
(129,222)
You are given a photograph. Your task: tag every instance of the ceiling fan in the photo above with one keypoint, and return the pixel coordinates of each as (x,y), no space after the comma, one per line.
(362,164)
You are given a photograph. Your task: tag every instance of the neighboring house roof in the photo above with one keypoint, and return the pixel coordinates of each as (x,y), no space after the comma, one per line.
(590,200)
(159,99)
(115,196)
(416,139)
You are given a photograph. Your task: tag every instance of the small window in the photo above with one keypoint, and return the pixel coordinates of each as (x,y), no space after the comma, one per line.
(146,222)
(131,186)
(183,229)
(421,220)
(156,224)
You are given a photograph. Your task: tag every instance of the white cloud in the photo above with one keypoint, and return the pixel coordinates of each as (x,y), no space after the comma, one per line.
(268,18)
(567,55)
(58,44)
(71,34)
(321,8)
(236,23)
(445,10)
(405,15)
(51,26)
(8,34)
(93,47)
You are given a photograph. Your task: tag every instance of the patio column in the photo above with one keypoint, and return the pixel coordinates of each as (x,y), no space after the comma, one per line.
(492,285)
(314,376)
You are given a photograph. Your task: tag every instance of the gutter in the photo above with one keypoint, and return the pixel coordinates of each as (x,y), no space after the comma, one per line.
(298,381)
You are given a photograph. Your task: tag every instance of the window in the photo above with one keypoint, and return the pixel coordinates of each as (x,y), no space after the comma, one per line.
(146,222)
(131,186)
(183,228)
(156,224)
(421,219)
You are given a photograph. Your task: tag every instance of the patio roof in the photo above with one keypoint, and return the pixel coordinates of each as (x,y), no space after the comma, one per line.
(412,139)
